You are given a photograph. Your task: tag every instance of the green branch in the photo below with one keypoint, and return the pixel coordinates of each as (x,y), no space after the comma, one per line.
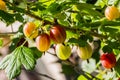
(37,17)
(45,22)
(104,23)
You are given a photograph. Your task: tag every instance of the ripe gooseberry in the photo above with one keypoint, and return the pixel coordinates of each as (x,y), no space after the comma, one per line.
(2,5)
(58,34)
(43,42)
(30,30)
(108,60)
(111,12)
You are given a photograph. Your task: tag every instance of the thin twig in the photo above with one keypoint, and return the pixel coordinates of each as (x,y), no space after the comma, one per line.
(7,43)
(7,34)
(17,78)
(82,72)
(38,18)
(12,28)
(79,71)
(41,74)
(51,53)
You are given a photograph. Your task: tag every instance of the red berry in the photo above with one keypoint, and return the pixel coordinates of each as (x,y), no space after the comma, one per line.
(58,34)
(108,60)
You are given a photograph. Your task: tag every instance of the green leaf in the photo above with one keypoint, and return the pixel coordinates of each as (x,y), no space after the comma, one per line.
(1,42)
(109,29)
(46,2)
(19,17)
(13,67)
(68,70)
(117,67)
(73,40)
(107,48)
(36,53)
(6,17)
(12,63)
(81,77)
(80,42)
(88,9)
(27,58)
(71,34)
(116,51)
(37,6)
(54,8)
(13,44)
(15,41)
(101,3)
(63,22)
(4,62)
(112,44)
(86,37)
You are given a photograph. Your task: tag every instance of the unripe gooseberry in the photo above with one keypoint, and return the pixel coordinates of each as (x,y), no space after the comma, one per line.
(85,52)
(63,51)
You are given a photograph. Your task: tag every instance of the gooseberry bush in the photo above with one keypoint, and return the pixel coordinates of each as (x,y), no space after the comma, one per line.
(85,35)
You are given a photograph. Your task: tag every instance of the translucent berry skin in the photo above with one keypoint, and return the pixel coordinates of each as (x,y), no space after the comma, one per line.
(30,30)
(43,42)
(57,34)
(63,51)
(85,52)
(108,60)
(111,12)
(2,5)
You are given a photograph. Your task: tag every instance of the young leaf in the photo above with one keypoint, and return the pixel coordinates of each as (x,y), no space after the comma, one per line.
(12,63)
